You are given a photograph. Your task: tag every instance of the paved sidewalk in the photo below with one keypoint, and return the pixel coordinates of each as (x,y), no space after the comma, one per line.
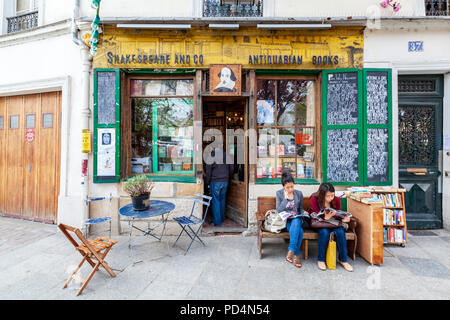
(35,260)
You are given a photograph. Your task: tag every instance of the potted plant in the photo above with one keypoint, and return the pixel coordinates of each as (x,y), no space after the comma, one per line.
(139,189)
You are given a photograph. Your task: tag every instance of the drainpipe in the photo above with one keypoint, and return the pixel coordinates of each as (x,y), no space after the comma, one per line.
(86,65)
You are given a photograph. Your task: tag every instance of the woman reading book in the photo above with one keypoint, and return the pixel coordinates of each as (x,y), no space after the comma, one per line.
(319,201)
(290,201)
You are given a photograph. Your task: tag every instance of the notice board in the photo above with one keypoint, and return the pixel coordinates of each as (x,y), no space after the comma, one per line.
(106,125)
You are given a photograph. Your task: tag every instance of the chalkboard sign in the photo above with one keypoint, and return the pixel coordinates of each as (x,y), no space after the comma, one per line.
(377,155)
(377,97)
(342,155)
(342,98)
(106,97)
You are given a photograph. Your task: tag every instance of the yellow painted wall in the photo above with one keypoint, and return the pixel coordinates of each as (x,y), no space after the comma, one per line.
(224,46)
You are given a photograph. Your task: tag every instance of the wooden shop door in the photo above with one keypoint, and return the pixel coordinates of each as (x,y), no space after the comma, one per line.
(30,169)
(235,115)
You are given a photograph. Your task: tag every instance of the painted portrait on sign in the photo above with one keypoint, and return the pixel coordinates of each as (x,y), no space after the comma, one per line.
(225,80)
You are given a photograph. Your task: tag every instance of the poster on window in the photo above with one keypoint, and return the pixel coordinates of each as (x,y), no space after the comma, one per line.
(264,112)
(106,152)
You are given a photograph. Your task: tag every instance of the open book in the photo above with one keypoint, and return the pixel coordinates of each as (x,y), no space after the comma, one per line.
(338,214)
(284,215)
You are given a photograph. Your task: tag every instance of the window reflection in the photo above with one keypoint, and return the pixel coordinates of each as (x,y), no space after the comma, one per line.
(162,134)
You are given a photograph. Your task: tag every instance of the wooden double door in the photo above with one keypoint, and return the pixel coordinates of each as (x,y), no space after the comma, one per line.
(30,156)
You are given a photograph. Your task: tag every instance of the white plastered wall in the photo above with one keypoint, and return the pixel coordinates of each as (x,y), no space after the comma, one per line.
(51,64)
(388,47)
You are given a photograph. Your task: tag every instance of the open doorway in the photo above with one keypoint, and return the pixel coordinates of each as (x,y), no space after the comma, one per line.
(229,113)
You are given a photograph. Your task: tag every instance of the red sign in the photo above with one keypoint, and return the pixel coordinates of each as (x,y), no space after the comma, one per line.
(304,138)
(29,135)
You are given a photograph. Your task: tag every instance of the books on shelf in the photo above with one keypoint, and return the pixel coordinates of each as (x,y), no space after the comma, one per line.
(371,200)
(393,217)
(259,172)
(300,170)
(390,199)
(289,150)
(389,189)
(394,235)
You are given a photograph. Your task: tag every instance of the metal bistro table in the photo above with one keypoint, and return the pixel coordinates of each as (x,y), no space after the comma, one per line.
(157,208)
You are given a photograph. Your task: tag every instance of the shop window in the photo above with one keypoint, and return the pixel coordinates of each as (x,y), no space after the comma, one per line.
(1,123)
(286,128)
(162,136)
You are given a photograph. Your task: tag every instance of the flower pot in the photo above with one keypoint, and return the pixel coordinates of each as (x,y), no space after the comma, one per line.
(141,203)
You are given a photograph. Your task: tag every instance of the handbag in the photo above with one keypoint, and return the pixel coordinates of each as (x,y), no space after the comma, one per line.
(273,222)
(330,257)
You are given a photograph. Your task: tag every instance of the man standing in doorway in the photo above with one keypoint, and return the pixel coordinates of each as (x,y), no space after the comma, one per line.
(218,172)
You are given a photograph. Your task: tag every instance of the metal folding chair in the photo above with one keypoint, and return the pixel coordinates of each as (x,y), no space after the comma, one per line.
(91,222)
(188,223)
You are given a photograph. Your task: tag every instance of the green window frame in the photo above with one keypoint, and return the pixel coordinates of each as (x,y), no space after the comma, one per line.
(182,176)
(387,126)
(116,126)
(362,127)
(358,126)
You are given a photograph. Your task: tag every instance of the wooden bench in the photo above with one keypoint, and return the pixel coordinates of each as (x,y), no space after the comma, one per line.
(268,203)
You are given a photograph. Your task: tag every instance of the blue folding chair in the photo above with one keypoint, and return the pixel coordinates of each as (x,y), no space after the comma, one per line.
(187,223)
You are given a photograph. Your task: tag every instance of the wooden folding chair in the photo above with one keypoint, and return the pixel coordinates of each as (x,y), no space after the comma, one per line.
(90,250)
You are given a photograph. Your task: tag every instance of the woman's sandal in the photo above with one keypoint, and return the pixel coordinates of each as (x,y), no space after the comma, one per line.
(321,265)
(296,262)
(289,256)
(346,266)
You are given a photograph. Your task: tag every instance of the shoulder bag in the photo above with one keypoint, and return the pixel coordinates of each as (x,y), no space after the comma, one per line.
(273,222)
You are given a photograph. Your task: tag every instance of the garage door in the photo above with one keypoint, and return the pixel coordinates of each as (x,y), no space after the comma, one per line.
(30,156)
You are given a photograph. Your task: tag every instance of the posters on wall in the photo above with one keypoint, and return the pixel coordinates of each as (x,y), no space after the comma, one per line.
(106,152)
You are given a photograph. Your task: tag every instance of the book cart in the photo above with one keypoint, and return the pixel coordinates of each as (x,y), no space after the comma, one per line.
(394,216)
(369,229)
(378,211)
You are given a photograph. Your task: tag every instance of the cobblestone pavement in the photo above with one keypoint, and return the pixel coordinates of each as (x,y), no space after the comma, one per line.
(36,259)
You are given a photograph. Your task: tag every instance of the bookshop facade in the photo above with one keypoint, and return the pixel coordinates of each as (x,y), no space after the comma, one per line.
(298,100)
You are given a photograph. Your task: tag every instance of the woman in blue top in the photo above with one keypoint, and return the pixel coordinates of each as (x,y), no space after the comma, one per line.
(291,200)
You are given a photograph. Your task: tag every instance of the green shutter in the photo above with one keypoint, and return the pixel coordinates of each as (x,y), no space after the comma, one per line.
(114,123)
(363,126)
(358,126)
(387,181)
